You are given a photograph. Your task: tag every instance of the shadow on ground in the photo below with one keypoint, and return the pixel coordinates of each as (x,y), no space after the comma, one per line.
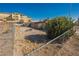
(43,39)
(36,38)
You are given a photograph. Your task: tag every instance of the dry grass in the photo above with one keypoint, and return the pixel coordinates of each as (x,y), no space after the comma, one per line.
(49,50)
(23,46)
(70,48)
(6,39)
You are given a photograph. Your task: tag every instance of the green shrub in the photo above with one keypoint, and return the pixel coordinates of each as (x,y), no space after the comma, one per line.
(57,26)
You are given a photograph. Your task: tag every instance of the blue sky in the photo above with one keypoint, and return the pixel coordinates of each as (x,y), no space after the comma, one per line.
(38,11)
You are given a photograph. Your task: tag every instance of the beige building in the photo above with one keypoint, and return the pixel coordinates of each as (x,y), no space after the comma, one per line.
(14,17)
(25,19)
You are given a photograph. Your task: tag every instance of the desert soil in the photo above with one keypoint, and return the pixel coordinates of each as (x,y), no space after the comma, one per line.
(19,41)
(27,39)
(6,39)
(69,48)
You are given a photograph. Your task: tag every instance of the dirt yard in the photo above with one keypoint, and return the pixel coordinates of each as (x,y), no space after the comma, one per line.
(69,48)
(27,39)
(19,41)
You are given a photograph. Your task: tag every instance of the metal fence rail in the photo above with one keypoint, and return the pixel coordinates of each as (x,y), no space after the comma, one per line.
(62,35)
